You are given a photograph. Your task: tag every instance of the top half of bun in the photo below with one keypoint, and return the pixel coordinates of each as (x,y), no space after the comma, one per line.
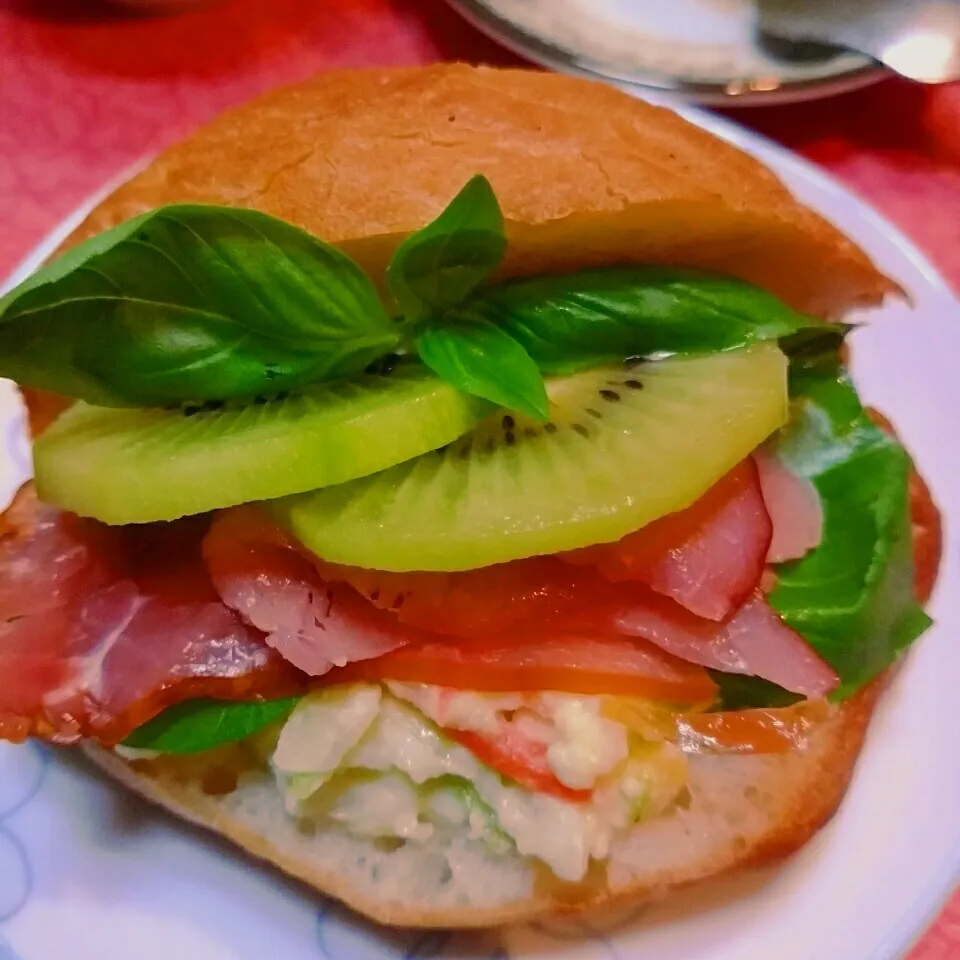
(586,175)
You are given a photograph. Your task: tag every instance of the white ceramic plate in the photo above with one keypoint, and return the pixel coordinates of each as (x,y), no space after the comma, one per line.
(702,50)
(86,871)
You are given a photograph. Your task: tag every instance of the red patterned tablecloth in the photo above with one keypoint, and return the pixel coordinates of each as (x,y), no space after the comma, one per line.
(85,93)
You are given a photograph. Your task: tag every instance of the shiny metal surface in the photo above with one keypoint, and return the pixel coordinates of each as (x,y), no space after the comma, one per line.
(705,51)
(919,39)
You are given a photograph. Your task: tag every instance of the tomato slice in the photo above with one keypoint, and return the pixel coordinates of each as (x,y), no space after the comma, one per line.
(518,757)
(776,730)
(577,663)
(490,601)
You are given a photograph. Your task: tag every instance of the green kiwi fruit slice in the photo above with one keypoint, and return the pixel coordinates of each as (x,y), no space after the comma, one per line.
(136,466)
(625,445)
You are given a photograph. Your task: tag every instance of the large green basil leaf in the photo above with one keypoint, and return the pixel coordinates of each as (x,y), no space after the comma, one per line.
(197,725)
(438,267)
(572,321)
(479,358)
(192,303)
(852,597)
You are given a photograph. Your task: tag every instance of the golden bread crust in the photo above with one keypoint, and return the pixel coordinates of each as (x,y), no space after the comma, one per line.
(585,174)
(809,788)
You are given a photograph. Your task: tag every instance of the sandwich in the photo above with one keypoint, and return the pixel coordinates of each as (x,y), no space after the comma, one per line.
(449,487)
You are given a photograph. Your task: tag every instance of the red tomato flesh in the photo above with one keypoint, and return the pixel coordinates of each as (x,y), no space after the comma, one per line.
(777,730)
(476,604)
(578,663)
(520,758)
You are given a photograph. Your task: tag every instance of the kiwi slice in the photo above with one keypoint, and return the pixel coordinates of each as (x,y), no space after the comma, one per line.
(625,445)
(136,466)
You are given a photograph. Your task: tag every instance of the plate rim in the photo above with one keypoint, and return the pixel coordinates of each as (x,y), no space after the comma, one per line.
(922,911)
(537,49)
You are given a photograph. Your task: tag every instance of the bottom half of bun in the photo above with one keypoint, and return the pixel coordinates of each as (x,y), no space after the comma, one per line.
(743,811)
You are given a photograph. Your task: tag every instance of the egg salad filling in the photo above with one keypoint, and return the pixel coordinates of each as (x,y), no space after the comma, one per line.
(382,762)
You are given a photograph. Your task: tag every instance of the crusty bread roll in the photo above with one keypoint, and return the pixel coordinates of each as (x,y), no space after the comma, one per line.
(585,175)
(744,811)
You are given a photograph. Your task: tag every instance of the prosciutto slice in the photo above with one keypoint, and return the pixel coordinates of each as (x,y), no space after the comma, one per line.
(709,557)
(754,641)
(103,628)
(313,624)
(794,507)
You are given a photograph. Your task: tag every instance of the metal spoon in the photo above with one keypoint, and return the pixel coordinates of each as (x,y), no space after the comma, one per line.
(919,39)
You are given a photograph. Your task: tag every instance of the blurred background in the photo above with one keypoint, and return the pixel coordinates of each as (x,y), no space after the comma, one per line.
(89,88)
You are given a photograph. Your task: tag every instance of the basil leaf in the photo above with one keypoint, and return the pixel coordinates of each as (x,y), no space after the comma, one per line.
(852,597)
(192,303)
(593,317)
(480,359)
(738,691)
(438,267)
(197,725)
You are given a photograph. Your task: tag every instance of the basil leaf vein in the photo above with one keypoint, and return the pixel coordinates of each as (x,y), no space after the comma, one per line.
(192,303)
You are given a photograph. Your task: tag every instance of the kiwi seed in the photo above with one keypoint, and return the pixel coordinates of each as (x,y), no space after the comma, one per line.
(695,418)
(124,465)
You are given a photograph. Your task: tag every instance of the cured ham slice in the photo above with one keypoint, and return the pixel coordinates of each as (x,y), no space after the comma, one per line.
(45,563)
(103,628)
(709,557)
(794,507)
(754,641)
(515,622)
(313,624)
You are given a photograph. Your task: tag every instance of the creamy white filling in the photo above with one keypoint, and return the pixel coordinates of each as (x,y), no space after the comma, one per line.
(564,835)
(582,745)
(588,746)
(317,735)
(388,806)
(456,709)
(424,781)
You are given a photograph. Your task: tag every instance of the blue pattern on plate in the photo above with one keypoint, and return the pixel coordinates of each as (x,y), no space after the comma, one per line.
(343,935)
(16,883)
